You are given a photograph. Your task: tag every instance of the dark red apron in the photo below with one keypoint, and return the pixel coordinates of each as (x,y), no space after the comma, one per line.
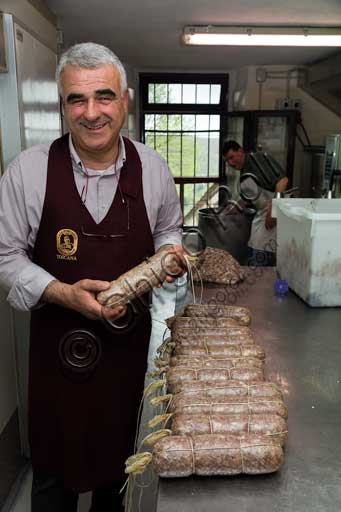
(82,429)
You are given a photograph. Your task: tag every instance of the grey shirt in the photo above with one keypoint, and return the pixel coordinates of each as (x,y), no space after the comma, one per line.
(22,194)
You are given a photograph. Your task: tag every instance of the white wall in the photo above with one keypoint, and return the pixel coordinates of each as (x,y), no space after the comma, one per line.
(130,126)
(33,20)
(9,108)
(248,94)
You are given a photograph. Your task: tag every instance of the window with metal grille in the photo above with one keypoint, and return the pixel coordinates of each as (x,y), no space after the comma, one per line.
(181,120)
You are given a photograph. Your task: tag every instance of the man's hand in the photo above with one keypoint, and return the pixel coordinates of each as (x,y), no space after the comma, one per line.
(270,222)
(281,185)
(81,297)
(176,265)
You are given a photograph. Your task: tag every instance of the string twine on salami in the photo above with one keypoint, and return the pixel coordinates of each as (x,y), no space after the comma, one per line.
(211,425)
(190,440)
(196,372)
(279,433)
(190,261)
(241,456)
(235,362)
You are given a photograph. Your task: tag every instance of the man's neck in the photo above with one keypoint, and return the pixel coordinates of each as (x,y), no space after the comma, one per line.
(98,160)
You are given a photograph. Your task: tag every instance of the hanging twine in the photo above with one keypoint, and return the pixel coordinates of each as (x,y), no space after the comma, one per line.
(159,418)
(157,400)
(154,437)
(137,463)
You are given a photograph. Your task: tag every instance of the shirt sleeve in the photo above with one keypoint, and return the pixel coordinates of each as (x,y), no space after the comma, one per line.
(168,227)
(23,280)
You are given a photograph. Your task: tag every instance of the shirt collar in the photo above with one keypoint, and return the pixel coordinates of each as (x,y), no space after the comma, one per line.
(111,169)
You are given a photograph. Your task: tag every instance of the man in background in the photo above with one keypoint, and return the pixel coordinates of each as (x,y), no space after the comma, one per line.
(257,190)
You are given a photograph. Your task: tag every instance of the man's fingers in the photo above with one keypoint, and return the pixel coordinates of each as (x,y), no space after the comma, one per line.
(93,285)
(113,313)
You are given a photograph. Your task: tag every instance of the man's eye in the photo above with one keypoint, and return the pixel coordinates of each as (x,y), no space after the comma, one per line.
(77,102)
(105,99)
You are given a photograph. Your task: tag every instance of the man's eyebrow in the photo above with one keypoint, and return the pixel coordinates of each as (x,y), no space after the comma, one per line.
(105,92)
(74,96)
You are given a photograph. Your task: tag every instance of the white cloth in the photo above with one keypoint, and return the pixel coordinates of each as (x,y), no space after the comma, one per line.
(22,194)
(167,300)
(261,239)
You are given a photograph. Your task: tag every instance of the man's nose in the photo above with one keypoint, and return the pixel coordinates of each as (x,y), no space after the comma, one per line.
(91,112)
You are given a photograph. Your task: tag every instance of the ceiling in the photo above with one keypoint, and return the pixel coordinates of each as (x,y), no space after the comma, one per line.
(146,33)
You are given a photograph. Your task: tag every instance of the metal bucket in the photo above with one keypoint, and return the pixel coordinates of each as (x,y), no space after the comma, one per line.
(230,232)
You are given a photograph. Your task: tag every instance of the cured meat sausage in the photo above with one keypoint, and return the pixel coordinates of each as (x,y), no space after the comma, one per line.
(265,424)
(213,334)
(178,375)
(140,279)
(242,315)
(223,350)
(199,322)
(216,454)
(255,390)
(215,362)
(227,405)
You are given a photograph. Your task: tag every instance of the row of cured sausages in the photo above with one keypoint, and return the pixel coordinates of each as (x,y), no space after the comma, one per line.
(225,417)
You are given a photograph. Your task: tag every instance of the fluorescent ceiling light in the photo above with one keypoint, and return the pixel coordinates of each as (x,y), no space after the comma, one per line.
(262,36)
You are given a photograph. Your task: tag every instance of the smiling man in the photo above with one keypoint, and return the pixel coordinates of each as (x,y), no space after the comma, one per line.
(95,110)
(74,215)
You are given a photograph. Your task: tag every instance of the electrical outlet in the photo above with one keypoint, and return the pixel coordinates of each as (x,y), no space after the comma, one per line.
(288,104)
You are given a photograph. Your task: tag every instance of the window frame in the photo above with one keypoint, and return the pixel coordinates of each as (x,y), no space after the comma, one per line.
(220,109)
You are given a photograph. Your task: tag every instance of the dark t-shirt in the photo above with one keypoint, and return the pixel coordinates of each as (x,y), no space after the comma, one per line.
(264,167)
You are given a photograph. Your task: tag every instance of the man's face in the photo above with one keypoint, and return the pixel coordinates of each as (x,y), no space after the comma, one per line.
(93,107)
(235,158)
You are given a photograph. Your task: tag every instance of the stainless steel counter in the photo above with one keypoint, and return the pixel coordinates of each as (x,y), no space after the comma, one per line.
(303,348)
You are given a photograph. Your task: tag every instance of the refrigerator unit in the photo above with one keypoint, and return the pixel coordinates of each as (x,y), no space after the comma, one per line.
(29,115)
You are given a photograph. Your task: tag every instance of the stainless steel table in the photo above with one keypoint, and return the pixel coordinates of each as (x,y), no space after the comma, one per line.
(303,348)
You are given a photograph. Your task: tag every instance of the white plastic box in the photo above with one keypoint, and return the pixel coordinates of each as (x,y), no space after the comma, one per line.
(309,248)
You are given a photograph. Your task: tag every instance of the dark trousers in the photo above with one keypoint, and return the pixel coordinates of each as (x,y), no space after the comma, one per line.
(49,495)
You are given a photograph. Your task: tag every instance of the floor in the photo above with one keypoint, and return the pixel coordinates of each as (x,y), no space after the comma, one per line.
(166,301)
(22,501)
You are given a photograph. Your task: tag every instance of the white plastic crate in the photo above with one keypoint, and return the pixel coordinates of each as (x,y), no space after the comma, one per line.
(309,248)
